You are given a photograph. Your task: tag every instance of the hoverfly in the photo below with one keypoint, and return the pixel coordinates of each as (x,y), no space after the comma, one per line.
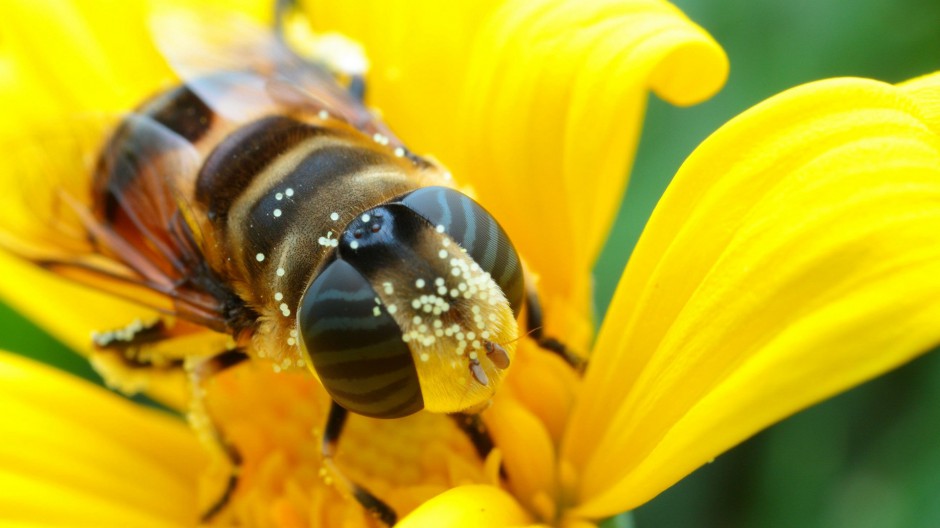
(261,200)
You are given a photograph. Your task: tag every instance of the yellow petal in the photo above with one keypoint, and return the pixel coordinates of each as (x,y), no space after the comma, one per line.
(926,91)
(418,52)
(468,507)
(796,253)
(75,454)
(552,111)
(537,105)
(528,454)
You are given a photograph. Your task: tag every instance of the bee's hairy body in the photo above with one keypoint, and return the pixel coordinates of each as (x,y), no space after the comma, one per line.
(268,195)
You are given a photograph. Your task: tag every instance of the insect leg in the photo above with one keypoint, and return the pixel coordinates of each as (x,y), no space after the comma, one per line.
(472,426)
(130,345)
(200,372)
(334,427)
(534,326)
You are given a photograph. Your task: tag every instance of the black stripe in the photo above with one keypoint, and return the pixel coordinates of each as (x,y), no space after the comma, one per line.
(182,111)
(380,403)
(131,152)
(348,344)
(242,156)
(475,230)
(322,168)
(342,393)
(361,368)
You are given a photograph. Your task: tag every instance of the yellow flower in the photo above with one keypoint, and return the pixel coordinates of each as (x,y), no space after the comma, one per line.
(793,256)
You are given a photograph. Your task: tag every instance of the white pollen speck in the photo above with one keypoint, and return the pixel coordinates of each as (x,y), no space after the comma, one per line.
(442,253)
(334,216)
(376,311)
(439,281)
(284,307)
(399,151)
(392,308)
(354,245)
(280,272)
(259,257)
(425,357)
(473,355)
(279,196)
(279,297)
(439,228)
(416,320)
(442,290)
(366,217)
(323,114)
(291,341)
(277,213)
(419,283)
(289,192)
(377,300)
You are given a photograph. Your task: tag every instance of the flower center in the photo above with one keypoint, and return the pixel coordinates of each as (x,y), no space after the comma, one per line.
(276,421)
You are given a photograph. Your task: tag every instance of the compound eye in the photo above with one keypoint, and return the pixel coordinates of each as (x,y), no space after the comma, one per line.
(356,347)
(475,230)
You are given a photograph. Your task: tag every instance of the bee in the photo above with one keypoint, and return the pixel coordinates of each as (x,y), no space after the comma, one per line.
(261,200)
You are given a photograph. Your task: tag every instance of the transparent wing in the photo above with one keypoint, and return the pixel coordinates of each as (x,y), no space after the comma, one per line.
(106,214)
(259,66)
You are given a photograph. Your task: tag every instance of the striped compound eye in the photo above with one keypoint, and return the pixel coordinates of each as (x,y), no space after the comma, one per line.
(355,347)
(465,221)
(417,308)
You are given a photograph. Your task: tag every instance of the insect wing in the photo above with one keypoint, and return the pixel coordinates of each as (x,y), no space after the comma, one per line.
(121,234)
(238,66)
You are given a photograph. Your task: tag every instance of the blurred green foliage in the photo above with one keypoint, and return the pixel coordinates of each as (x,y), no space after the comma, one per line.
(868,458)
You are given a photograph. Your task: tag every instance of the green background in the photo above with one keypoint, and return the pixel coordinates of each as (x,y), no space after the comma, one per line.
(868,458)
